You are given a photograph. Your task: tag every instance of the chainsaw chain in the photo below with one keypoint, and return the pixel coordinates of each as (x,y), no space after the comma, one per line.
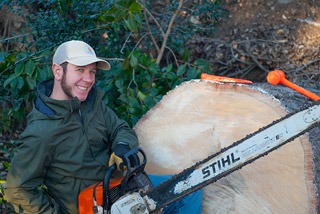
(214,179)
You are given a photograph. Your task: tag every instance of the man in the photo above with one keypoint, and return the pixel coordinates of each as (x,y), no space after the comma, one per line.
(69,137)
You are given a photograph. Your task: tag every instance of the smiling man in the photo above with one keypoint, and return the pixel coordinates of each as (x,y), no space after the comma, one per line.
(69,139)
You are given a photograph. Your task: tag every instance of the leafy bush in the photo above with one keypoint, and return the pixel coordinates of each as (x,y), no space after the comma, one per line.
(136,81)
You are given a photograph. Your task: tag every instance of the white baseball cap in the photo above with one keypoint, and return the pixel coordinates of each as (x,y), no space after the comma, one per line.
(78,53)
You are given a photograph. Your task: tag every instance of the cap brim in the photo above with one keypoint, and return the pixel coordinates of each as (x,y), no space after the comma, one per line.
(83,61)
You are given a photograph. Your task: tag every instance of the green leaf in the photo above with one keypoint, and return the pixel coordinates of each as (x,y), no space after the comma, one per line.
(131,23)
(101,18)
(20,82)
(10,58)
(133,102)
(192,73)
(31,83)
(9,80)
(18,69)
(185,54)
(171,75)
(6,165)
(153,68)
(119,14)
(109,18)
(148,101)
(141,96)
(42,74)
(153,91)
(30,67)
(169,68)
(134,111)
(135,7)
(202,63)
(181,70)
(133,61)
(119,82)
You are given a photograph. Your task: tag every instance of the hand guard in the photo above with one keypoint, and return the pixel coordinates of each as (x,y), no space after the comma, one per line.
(117,157)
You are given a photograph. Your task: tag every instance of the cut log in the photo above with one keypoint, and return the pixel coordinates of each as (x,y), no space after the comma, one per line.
(198,118)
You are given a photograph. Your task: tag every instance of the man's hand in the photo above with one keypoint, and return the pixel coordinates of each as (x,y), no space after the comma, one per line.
(117,157)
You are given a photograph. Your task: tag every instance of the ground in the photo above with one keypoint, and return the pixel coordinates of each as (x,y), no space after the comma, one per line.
(257,36)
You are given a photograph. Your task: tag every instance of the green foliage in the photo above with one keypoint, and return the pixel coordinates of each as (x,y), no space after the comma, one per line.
(135,82)
(3,199)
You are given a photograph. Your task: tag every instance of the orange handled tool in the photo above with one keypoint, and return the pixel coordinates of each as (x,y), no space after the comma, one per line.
(278,76)
(205,76)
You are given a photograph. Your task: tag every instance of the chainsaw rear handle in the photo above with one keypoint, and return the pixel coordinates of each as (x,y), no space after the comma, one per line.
(106,181)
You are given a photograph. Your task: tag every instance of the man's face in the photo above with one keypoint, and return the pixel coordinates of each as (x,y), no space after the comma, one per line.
(77,81)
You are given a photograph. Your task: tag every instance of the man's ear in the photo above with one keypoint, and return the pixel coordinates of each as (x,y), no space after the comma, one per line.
(57,71)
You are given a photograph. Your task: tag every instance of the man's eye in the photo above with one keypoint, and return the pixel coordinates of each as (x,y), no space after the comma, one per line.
(79,69)
(93,72)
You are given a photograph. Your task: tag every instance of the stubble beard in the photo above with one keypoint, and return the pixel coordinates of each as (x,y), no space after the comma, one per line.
(65,88)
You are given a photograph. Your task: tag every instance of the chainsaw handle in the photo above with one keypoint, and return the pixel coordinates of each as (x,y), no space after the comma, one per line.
(106,181)
(133,170)
(134,154)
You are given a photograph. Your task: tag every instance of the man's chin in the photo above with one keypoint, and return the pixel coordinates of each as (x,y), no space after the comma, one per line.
(82,98)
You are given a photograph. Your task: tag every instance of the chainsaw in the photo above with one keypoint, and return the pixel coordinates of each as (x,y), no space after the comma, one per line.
(143,198)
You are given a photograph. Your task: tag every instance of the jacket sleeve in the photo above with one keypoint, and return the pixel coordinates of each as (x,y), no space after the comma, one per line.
(26,174)
(119,130)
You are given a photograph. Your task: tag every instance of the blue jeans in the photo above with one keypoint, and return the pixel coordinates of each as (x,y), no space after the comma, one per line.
(190,204)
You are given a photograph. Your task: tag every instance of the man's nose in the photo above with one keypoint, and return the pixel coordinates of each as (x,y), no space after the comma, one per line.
(88,77)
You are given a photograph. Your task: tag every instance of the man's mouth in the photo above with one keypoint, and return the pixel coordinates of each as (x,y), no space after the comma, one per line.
(82,88)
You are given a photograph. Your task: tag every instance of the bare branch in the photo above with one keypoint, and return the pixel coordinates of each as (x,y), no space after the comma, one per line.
(148,26)
(165,39)
(174,56)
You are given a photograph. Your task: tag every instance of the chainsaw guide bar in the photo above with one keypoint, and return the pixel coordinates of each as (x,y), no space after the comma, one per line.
(233,157)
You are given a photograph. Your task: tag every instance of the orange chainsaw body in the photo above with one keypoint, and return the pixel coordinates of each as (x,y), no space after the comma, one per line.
(85,198)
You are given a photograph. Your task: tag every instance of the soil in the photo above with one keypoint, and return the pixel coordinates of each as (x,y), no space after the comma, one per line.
(257,36)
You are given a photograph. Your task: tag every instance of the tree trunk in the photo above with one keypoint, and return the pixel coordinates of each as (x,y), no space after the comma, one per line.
(199,118)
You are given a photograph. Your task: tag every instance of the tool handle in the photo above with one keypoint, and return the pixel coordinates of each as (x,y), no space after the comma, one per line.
(278,76)
(300,90)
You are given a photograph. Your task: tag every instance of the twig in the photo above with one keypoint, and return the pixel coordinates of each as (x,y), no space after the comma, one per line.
(134,81)
(148,26)
(164,43)
(174,56)
(307,64)
(256,61)
(138,43)
(125,42)
(120,59)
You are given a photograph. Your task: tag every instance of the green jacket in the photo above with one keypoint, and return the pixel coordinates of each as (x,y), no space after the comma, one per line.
(66,146)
